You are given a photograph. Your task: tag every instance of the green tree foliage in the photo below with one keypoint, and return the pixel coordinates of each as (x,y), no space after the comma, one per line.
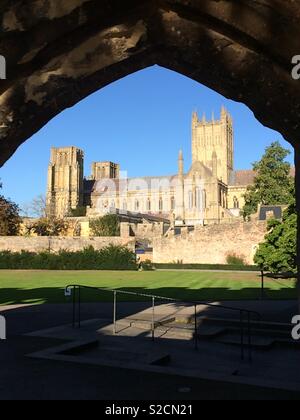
(108,225)
(10,220)
(48,227)
(278,252)
(79,212)
(235,259)
(273,183)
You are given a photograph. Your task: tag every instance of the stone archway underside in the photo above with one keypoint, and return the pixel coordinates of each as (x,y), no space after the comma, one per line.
(58,52)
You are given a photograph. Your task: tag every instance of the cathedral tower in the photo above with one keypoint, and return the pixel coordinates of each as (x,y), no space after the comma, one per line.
(105,170)
(180,207)
(214,137)
(65,181)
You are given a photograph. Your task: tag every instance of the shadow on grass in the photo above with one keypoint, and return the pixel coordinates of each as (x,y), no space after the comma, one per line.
(53,295)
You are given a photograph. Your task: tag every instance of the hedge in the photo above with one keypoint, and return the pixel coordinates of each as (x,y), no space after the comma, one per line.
(109,258)
(206,267)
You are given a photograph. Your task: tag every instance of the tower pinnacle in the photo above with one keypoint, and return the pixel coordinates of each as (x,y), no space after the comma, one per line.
(223,112)
(180,163)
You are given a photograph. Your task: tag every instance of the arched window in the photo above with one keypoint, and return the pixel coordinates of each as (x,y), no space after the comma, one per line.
(113,205)
(199,201)
(148,204)
(220,196)
(124,205)
(224,199)
(191,201)
(173,203)
(136,205)
(236,203)
(161,204)
(204,199)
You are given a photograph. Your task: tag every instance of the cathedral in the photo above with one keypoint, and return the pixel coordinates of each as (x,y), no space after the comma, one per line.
(209,192)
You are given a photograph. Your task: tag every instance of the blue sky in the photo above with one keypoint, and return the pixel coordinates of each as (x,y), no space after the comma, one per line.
(141,122)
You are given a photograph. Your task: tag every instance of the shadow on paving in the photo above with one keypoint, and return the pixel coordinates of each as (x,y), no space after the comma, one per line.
(24,378)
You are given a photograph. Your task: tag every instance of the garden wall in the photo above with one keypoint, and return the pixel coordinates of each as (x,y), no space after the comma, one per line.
(38,244)
(211,244)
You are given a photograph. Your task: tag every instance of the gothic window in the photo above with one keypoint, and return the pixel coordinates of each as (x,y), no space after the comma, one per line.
(173,203)
(224,199)
(236,203)
(161,204)
(199,202)
(191,201)
(204,199)
(148,204)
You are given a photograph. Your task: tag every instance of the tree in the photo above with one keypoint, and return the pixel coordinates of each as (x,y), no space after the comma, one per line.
(78,212)
(272,183)
(48,227)
(108,225)
(10,220)
(279,251)
(36,208)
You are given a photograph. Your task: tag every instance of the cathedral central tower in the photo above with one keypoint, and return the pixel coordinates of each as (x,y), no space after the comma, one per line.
(214,137)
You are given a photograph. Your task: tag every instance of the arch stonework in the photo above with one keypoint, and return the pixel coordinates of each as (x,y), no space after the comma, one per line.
(58,52)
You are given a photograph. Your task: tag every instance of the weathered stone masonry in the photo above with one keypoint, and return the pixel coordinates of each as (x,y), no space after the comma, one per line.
(39,244)
(211,244)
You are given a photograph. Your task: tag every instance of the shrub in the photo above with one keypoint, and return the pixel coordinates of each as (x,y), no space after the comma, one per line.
(174,266)
(79,212)
(234,259)
(108,225)
(147,265)
(109,258)
(48,227)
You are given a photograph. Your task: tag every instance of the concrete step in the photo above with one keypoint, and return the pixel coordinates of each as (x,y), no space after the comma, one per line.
(147,324)
(235,322)
(258,342)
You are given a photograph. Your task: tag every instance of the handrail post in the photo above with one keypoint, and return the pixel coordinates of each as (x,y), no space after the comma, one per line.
(262,285)
(115,312)
(196,329)
(74,306)
(153,318)
(249,338)
(242,335)
(79,307)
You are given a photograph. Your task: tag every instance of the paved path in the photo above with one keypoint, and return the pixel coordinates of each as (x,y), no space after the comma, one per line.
(23,378)
(276,311)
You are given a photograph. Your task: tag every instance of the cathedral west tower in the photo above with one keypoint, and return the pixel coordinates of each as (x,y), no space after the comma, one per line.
(65,181)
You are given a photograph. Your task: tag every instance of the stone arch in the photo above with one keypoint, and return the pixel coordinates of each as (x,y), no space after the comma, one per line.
(58,53)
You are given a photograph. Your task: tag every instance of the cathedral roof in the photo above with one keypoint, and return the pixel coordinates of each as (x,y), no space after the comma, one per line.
(242,178)
(106,185)
(246,177)
(201,170)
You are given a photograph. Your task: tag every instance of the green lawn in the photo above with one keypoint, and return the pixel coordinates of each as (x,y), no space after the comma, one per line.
(39,287)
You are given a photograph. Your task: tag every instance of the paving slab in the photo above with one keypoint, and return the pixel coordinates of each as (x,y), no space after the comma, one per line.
(131,347)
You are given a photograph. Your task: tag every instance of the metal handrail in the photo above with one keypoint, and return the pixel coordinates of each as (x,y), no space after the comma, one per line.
(249,314)
(275,277)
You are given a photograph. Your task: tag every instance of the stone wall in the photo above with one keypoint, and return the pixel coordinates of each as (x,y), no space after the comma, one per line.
(211,244)
(37,244)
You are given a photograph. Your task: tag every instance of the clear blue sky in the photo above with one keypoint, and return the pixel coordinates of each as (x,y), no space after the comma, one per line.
(141,122)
